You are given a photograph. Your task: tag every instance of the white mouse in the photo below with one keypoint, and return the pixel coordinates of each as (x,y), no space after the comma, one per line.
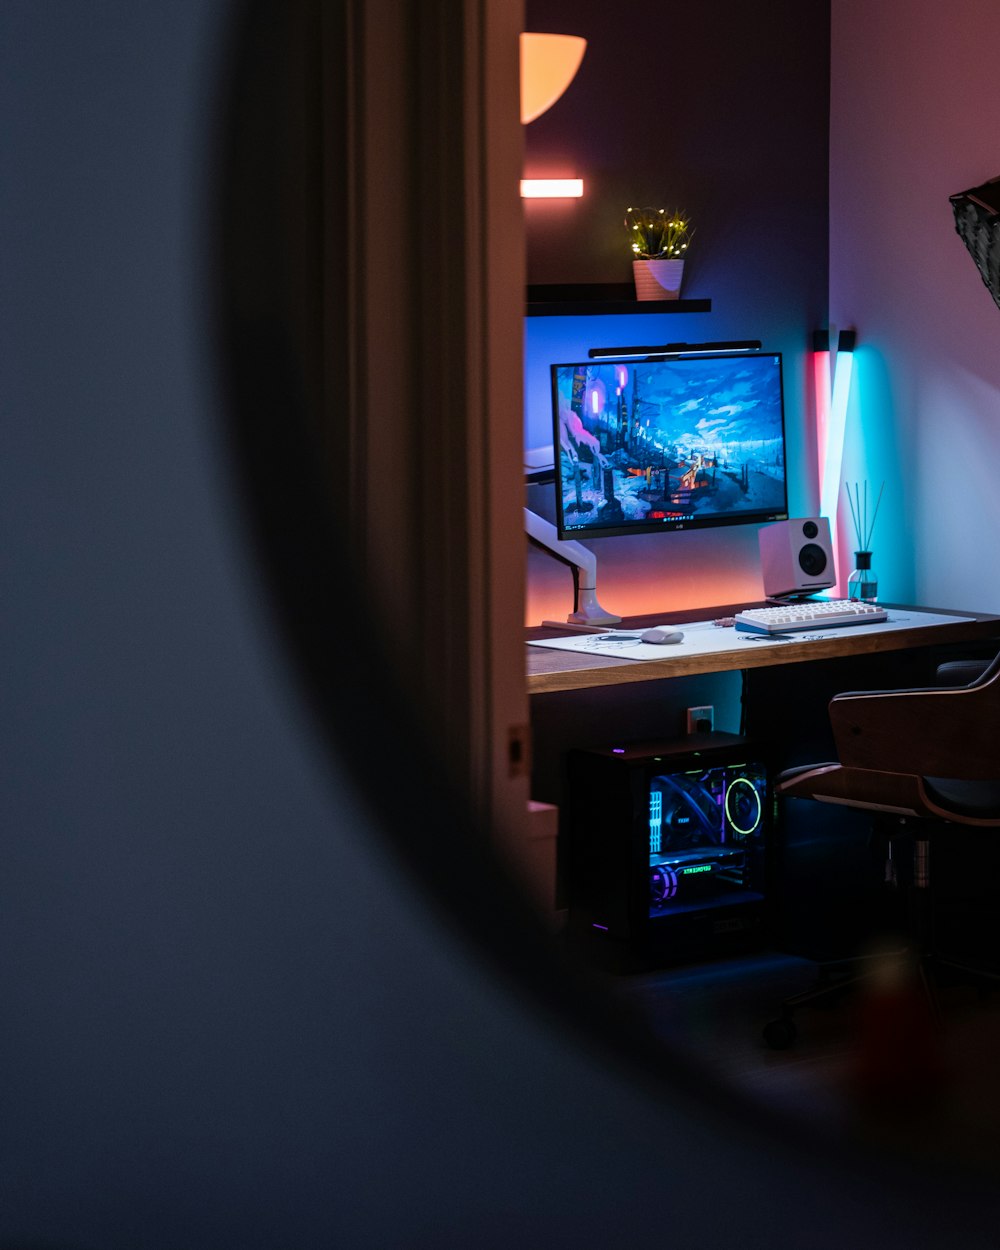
(661,635)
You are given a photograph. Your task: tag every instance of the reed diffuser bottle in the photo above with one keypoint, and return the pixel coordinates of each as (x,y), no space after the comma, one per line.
(863,581)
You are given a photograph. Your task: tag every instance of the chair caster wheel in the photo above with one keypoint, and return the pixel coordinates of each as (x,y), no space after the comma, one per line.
(780,1034)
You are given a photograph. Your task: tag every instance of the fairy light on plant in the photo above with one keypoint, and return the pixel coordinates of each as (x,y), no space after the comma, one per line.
(657,234)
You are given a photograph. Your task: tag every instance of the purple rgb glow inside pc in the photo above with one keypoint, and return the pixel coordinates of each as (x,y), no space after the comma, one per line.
(668,842)
(703,822)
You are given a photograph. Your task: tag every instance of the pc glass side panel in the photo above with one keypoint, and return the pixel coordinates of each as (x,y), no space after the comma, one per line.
(668,444)
(669,846)
(706,830)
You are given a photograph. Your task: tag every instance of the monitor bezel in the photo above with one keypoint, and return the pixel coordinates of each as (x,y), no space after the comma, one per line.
(665,525)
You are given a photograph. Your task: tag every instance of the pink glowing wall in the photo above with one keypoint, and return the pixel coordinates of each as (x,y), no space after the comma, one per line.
(913,120)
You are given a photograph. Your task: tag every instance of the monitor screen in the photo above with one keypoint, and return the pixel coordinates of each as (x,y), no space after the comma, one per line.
(667,444)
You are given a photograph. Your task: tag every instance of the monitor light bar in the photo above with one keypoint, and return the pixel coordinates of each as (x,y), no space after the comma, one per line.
(551,188)
(675,349)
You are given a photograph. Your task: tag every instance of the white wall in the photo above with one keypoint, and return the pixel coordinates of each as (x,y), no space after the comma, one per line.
(913,120)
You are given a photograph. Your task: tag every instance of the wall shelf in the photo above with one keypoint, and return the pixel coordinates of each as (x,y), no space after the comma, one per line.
(601,299)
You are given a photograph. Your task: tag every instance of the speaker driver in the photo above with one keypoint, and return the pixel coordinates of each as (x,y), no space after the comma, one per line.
(812,559)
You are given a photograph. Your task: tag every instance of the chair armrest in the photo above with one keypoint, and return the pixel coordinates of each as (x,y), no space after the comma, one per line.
(960,672)
(858,787)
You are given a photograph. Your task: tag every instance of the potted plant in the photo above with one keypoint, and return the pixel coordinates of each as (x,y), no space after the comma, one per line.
(659,239)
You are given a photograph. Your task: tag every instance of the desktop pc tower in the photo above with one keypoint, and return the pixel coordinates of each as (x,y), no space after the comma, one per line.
(668,846)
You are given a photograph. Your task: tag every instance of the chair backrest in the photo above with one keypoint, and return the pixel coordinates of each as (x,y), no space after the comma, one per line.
(925,732)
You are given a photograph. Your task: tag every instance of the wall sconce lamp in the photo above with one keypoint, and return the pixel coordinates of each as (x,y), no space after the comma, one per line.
(675,349)
(551,188)
(548,66)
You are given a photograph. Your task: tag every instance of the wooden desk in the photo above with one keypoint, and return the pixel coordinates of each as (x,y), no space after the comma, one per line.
(781,696)
(552,671)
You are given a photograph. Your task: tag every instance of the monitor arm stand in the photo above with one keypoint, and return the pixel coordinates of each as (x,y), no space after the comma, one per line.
(586,609)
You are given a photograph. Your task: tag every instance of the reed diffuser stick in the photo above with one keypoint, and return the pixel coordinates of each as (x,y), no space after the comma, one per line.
(859,513)
(854,514)
(875,514)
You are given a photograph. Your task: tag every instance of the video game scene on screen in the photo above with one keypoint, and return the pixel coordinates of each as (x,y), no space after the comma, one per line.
(669,443)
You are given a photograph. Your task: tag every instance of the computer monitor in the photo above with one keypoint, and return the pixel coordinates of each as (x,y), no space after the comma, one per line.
(668,443)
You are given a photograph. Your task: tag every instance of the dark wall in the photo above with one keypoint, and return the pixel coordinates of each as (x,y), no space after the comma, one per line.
(720,109)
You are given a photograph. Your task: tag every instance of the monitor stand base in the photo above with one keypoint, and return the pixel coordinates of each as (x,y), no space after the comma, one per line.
(583,562)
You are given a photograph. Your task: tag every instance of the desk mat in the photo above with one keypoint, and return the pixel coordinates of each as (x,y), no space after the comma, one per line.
(707,638)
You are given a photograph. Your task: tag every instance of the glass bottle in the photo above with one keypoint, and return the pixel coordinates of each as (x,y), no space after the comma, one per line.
(863,583)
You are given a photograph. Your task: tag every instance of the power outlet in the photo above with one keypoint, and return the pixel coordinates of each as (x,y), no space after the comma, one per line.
(700,720)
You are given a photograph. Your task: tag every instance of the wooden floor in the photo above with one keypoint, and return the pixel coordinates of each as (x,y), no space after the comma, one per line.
(873,1066)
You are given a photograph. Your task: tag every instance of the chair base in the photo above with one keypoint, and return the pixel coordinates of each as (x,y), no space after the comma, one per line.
(781,1033)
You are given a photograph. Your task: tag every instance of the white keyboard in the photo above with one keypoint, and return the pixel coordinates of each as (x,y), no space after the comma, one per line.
(816,614)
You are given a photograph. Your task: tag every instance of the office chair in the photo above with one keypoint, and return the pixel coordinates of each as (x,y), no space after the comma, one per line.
(925,762)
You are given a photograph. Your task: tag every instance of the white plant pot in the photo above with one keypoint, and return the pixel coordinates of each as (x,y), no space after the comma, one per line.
(658,279)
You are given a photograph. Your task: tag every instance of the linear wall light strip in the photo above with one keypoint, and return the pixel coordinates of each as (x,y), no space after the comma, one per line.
(551,188)
(821,390)
(829,499)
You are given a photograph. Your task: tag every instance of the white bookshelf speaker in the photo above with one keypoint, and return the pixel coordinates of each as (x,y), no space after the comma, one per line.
(796,557)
